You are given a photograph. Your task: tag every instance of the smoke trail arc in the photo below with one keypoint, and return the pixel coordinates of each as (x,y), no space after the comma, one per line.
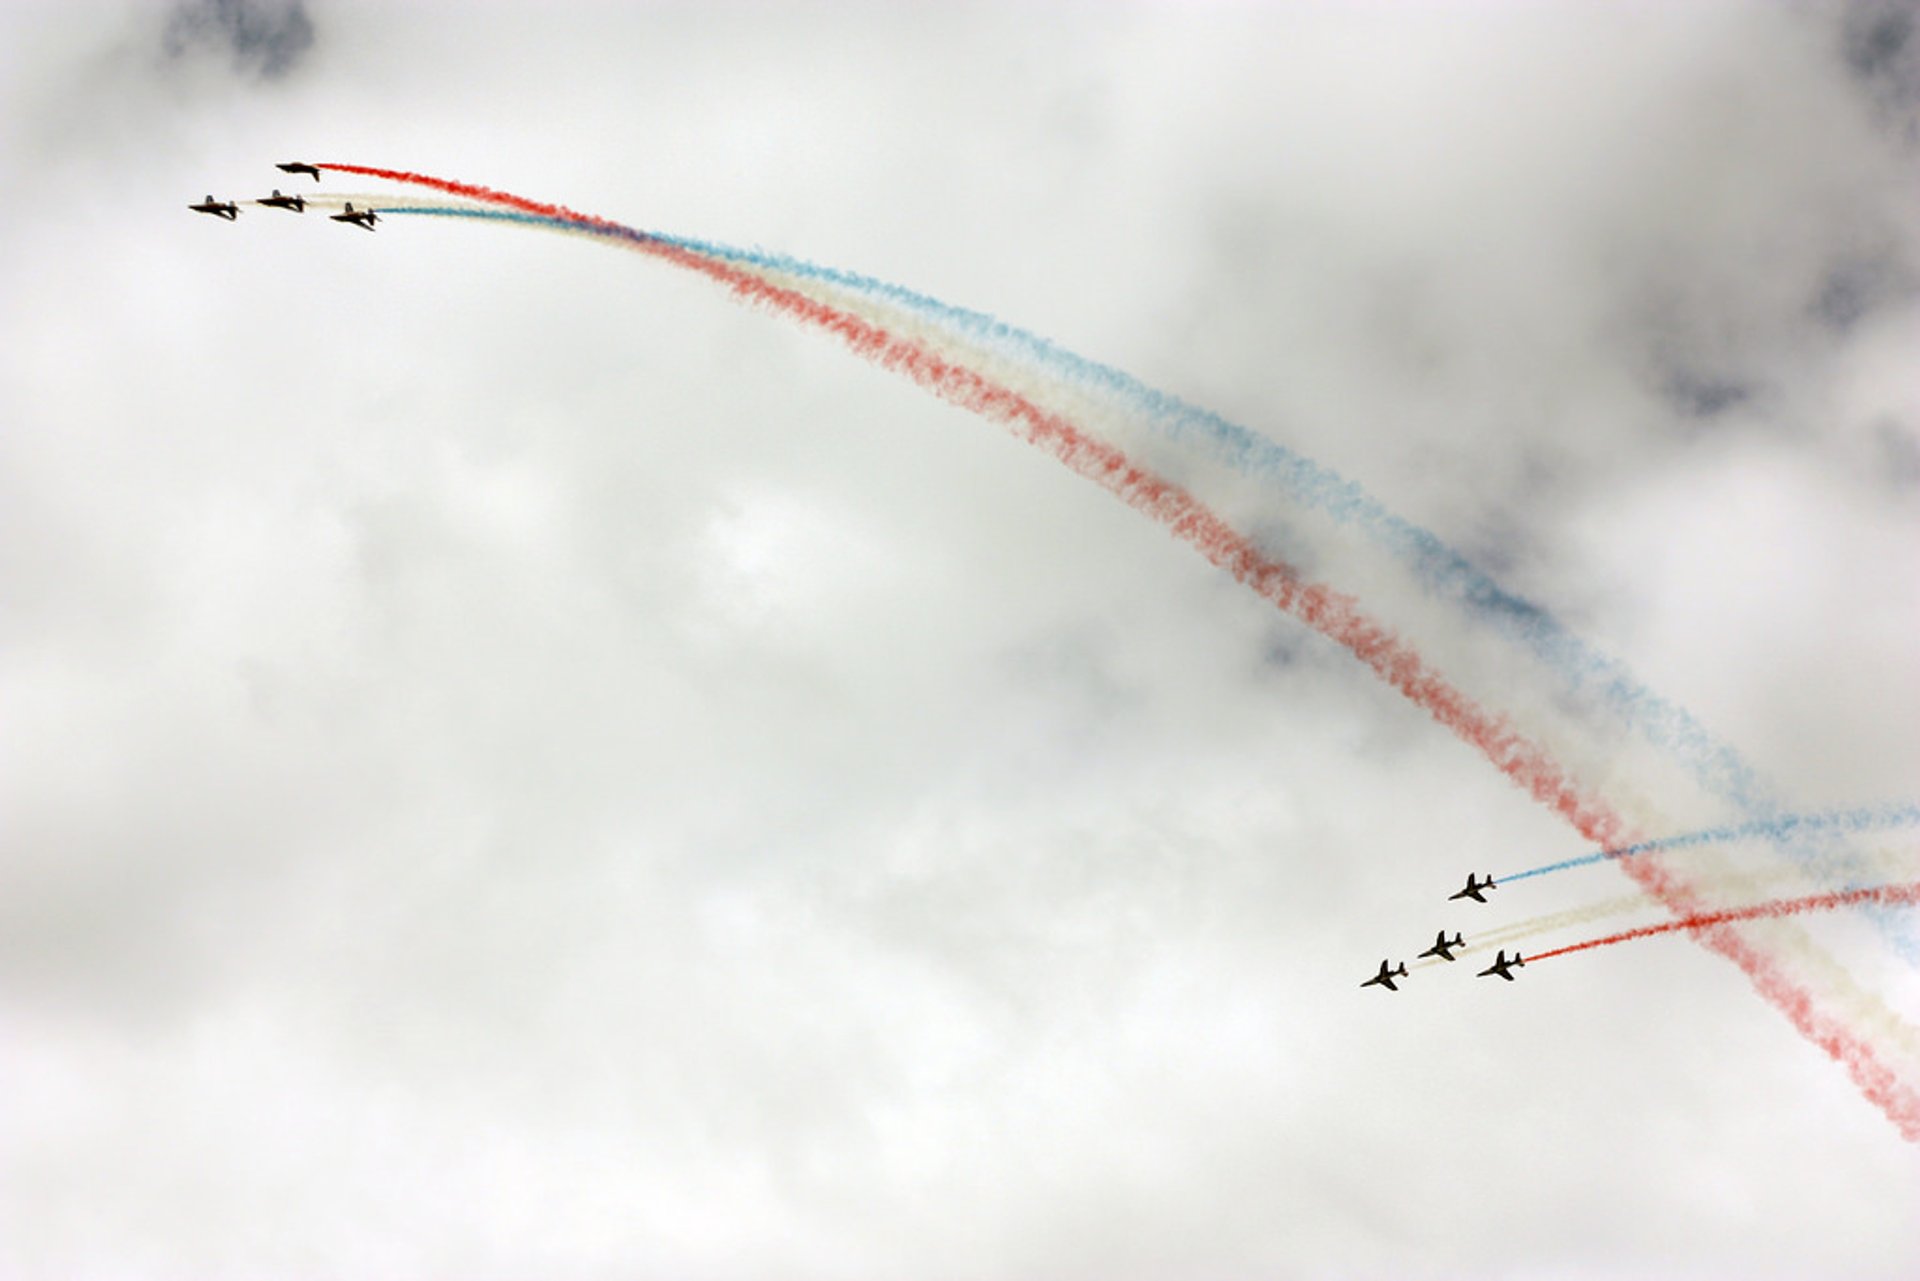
(1444,572)
(1851,822)
(1906,894)
(1788,832)
(1335,616)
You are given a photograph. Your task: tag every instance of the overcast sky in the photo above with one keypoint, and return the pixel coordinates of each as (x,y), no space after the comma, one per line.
(512,764)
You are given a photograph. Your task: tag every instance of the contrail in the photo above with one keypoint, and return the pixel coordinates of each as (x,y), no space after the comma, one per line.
(1443,571)
(1334,615)
(1785,827)
(1784,830)
(1441,568)
(1537,925)
(1901,895)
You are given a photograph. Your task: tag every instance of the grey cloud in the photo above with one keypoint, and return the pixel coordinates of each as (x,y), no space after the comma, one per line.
(1858,287)
(1698,393)
(1878,42)
(1899,456)
(266,37)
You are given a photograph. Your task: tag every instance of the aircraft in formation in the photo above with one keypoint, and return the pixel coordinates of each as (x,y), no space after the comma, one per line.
(230,210)
(1443,947)
(1475,890)
(1502,966)
(218,208)
(358,217)
(1385,978)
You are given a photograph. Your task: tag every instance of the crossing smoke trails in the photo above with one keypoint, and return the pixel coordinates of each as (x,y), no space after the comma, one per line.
(1334,615)
(1903,895)
(1787,826)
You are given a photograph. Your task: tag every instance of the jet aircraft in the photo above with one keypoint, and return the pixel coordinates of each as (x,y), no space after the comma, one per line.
(294,166)
(1386,977)
(1474,890)
(358,217)
(218,208)
(296,203)
(1441,947)
(1502,966)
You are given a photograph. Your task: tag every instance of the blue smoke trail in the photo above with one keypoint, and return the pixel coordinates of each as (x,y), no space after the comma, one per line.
(1782,828)
(1446,573)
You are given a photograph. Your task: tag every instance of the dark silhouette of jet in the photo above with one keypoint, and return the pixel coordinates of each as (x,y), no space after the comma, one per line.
(218,208)
(294,166)
(277,201)
(1474,890)
(1386,977)
(358,217)
(1441,948)
(1502,966)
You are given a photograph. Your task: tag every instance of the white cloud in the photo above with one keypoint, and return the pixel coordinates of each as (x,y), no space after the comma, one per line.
(515,764)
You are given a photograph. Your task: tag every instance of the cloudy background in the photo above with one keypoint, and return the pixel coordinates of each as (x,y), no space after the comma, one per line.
(511,764)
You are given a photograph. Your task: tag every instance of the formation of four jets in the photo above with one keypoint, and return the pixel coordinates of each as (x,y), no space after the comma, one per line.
(230,210)
(1443,946)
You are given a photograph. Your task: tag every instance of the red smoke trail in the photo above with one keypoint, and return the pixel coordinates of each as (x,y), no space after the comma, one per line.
(1907,895)
(1334,615)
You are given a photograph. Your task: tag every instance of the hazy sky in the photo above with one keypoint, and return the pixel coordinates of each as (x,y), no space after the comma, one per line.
(512,764)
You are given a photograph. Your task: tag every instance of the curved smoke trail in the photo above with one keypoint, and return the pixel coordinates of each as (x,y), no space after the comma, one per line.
(1534,926)
(1443,571)
(1906,894)
(1785,827)
(1333,615)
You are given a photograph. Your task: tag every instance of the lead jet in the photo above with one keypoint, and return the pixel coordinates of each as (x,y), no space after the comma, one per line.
(277,201)
(294,166)
(1386,977)
(1441,947)
(1474,890)
(218,208)
(358,217)
(1502,966)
